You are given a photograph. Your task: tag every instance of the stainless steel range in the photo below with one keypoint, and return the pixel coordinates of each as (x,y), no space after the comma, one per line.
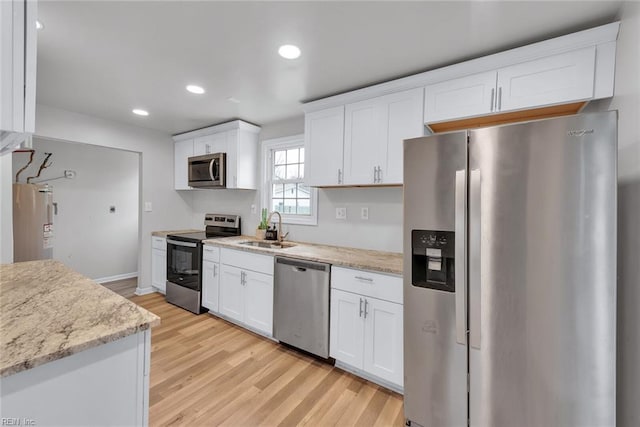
(184,260)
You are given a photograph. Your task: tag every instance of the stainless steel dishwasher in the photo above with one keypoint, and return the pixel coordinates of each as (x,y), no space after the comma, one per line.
(301,304)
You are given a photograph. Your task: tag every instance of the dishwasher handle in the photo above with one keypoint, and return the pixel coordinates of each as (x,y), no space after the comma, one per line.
(301,266)
(299,269)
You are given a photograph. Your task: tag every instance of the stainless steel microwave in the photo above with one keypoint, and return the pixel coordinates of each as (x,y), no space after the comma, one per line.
(208,171)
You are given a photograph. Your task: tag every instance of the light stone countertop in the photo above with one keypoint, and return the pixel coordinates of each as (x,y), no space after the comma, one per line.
(362,259)
(48,311)
(166,233)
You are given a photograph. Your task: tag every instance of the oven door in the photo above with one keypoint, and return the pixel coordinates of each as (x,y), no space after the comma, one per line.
(184,264)
(207,171)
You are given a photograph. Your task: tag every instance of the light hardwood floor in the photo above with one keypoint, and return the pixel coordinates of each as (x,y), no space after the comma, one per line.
(124,287)
(207,371)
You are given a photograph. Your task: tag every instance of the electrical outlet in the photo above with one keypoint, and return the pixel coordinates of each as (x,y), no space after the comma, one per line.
(341,213)
(253,209)
(364,213)
(148,207)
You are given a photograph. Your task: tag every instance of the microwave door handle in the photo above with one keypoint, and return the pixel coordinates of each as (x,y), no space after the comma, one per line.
(211,165)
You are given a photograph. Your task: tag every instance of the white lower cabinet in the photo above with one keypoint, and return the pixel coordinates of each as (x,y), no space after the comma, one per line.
(210,285)
(159,263)
(246,289)
(366,331)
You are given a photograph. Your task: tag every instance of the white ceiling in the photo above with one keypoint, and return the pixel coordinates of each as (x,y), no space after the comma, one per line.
(106,58)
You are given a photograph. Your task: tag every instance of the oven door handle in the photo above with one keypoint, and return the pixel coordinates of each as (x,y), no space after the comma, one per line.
(187,244)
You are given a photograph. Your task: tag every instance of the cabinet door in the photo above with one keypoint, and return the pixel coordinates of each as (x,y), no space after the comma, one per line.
(182,151)
(159,269)
(210,285)
(208,144)
(364,133)
(458,98)
(556,79)
(383,340)
(346,332)
(231,301)
(259,301)
(323,144)
(404,120)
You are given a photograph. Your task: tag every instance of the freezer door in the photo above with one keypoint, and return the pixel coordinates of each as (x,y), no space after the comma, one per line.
(542,273)
(435,353)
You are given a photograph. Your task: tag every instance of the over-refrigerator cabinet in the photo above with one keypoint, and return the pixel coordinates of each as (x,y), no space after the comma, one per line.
(510,274)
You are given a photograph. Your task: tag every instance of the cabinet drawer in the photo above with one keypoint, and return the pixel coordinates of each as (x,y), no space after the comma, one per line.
(210,253)
(247,261)
(159,243)
(376,285)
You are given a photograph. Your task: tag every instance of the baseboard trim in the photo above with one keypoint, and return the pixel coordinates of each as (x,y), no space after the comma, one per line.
(145,291)
(370,377)
(116,277)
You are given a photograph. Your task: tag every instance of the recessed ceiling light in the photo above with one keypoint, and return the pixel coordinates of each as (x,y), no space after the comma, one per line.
(140,112)
(39,25)
(195,89)
(289,51)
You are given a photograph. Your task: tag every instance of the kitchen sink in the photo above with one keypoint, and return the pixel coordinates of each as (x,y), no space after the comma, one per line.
(269,245)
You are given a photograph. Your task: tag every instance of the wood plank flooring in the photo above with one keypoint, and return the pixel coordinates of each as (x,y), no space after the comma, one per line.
(124,287)
(207,371)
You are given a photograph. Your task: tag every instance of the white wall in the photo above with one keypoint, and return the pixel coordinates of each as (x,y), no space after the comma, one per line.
(170,209)
(383,230)
(104,177)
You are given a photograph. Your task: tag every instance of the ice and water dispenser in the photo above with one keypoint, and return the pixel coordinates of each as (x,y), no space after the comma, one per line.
(432,264)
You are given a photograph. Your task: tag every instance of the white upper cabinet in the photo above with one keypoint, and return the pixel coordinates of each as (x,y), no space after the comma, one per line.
(18,48)
(238,139)
(323,144)
(182,151)
(464,97)
(556,79)
(374,131)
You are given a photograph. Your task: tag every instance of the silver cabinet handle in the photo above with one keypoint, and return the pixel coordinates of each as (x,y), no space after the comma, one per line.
(460,256)
(375,174)
(475,271)
(493,95)
(499,99)
(366,305)
(215,270)
(360,315)
(379,174)
(242,282)
(339,176)
(366,279)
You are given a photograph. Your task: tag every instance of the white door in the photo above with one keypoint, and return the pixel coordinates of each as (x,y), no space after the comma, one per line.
(159,269)
(458,98)
(346,332)
(210,285)
(231,301)
(259,301)
(364,133)
(383,341)
(323,143)
(208,144)
(182,151)
(404,121)
(556,79)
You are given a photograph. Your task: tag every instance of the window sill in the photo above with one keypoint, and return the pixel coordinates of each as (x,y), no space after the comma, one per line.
(312,220)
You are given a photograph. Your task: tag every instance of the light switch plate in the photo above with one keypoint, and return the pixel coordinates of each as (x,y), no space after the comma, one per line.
(364,213)
(147,207)
(341,213)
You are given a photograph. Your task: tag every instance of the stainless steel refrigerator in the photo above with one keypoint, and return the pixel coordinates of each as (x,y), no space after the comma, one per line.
(32,222)
(510,275)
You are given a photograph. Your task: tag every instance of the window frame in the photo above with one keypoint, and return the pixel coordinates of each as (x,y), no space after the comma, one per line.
(268,146)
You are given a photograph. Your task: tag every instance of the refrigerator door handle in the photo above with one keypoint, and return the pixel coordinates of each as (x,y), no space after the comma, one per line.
(475,271)
(460,256)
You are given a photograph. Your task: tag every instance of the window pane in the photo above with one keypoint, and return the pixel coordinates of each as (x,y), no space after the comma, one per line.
(279,172)
(277,191)
(277,205)
(292,156)
(304,207)
(302,155)
(292,171)
(303,191)
(290,191)
(301,170)
(289,206)
(279,157)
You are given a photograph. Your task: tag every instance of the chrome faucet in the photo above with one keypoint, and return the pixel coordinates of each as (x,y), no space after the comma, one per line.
(280,237)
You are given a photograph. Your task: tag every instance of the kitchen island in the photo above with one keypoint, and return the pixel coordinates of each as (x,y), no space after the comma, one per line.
(73,352)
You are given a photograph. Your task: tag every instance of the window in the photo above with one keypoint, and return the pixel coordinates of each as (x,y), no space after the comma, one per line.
(284,189)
